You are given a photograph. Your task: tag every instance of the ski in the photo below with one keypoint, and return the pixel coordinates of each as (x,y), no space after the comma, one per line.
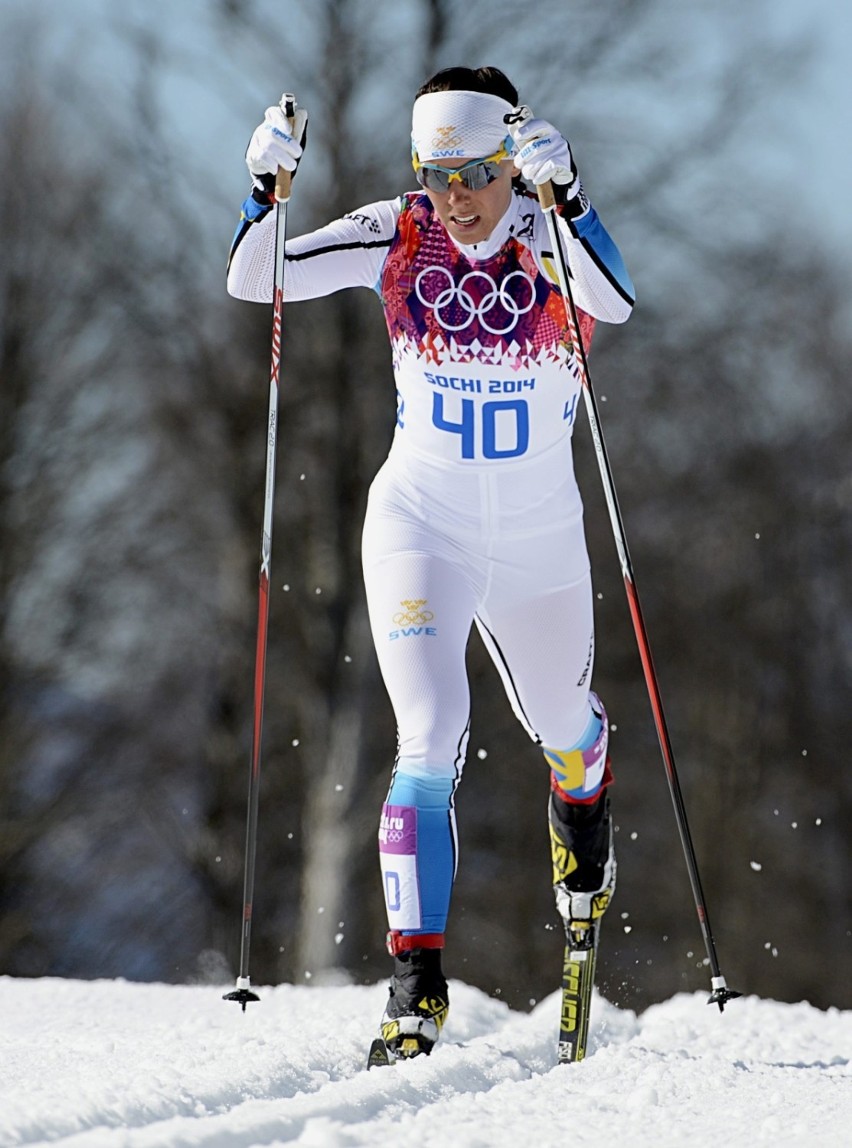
(578,978)
(380,1055)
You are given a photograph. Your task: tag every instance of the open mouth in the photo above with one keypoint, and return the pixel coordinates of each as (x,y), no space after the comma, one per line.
(464,220)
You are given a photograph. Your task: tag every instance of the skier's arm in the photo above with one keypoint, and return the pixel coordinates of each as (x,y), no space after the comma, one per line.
(349,252)
(602,285)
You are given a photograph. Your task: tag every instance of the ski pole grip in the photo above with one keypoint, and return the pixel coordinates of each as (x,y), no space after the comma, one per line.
(283,178)
(546,196)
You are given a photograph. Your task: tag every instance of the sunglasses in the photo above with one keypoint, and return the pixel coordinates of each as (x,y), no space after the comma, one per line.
(475,175)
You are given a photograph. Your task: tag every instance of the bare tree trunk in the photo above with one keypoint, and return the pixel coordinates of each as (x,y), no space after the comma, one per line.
(334,824)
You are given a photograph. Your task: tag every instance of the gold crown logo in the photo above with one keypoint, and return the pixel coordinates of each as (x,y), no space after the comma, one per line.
(446,137)
(412,613)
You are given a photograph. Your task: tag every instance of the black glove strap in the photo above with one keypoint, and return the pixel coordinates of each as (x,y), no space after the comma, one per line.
(574,207)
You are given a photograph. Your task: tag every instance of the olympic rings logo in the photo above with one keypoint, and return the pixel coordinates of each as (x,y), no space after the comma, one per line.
(413,614)
(459,294)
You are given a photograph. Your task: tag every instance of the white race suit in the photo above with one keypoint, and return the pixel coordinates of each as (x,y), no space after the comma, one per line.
(475,516)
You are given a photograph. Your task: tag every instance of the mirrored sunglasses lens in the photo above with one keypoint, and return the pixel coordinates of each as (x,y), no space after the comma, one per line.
(474,178)
(432,179)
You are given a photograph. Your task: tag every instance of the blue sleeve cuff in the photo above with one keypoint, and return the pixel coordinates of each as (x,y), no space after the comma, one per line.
(253,209)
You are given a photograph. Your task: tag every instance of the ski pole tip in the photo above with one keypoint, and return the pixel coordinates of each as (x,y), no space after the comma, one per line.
(721,994)
(242,993)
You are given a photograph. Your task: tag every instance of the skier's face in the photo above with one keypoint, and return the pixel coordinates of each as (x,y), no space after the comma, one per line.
(471,216)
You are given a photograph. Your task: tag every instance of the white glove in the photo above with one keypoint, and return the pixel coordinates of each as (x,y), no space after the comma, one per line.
(543,153)
(277,142)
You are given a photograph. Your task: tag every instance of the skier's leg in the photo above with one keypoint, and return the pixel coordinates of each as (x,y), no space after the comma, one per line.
(421,610)
(544,649)
(420,613)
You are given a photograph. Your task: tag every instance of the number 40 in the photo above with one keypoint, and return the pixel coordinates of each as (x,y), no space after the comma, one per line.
(512,410)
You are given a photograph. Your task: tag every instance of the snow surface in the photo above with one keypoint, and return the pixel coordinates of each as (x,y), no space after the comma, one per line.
(109,1064)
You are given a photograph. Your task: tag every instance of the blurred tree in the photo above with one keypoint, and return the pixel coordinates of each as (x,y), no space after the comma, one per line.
(116,570)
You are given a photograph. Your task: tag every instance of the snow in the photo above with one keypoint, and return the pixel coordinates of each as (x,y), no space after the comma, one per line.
(114,1064)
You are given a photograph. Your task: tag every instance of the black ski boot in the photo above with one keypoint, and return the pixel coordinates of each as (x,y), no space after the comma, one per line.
(581,845)
(417,1006)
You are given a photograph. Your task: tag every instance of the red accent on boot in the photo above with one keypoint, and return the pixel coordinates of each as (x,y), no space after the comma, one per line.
(606,780)
(403,943)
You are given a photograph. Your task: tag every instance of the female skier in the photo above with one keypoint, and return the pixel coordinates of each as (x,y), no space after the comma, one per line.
(475,516)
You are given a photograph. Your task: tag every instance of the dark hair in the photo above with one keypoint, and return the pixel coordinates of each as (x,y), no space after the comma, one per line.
(489,80)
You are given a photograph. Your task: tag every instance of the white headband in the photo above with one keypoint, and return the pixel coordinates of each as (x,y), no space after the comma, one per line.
(459,125)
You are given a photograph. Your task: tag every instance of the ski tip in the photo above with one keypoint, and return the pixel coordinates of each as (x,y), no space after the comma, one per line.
(379,1056)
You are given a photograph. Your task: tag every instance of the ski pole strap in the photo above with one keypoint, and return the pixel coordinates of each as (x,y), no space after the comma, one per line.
(404,942)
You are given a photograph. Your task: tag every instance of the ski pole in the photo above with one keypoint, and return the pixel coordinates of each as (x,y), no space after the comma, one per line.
(242,993)
(720,993)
